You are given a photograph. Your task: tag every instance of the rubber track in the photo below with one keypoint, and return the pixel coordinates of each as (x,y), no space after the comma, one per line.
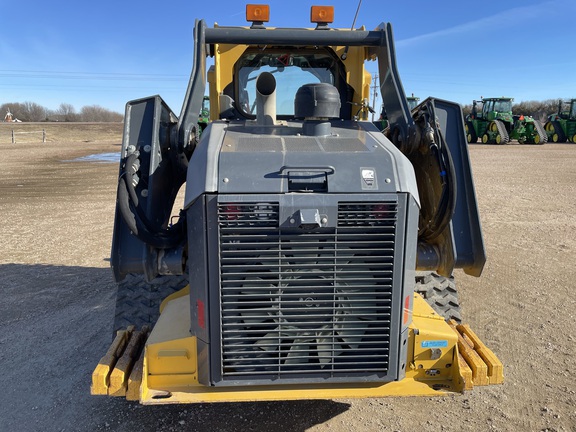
(541,132)
(138,301)
(502,132)
(558,129)
(440,293)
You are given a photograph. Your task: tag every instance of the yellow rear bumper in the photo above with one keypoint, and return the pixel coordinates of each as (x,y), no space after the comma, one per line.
(164,369)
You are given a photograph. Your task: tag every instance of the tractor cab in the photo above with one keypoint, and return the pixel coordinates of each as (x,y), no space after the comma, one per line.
(496,108)
(572,115)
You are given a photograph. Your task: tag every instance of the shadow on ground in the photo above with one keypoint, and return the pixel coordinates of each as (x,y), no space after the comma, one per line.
(56,323)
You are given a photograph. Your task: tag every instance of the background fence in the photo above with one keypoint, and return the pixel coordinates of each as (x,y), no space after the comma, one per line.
(14,133)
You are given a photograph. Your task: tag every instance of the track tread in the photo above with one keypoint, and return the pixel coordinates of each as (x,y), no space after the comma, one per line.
(502,131)
(540,130)
(138,301)
(440,293)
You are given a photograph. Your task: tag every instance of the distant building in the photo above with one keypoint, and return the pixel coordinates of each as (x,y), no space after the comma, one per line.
(8,117)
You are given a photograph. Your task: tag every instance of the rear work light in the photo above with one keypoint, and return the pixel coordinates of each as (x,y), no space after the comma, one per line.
(257,14)
(322,14)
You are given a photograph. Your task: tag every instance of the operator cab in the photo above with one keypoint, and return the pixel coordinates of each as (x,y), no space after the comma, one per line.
(292,68)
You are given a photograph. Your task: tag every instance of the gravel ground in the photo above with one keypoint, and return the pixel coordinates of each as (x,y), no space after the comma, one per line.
(58,300)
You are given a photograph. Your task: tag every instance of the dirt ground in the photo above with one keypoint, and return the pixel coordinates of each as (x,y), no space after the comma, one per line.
(58,300)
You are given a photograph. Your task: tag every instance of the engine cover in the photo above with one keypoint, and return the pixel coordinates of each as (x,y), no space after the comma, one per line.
(301,263)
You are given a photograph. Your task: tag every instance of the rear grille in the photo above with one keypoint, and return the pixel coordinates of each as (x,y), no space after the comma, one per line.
(313,304)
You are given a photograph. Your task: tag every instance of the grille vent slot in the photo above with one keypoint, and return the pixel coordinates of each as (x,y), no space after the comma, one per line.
(314,304)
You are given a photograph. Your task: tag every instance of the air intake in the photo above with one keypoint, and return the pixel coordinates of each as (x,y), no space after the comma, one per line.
(305,305)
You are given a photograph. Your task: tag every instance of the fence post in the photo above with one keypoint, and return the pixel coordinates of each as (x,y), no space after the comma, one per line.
(13,137)
(43,135)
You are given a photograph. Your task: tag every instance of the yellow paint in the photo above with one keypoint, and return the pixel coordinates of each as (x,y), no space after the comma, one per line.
(167,370)
(180,293)
(170,370)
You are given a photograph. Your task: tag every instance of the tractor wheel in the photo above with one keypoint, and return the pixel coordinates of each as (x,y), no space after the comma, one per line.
(498,139)
(485,139)
(555,137)
(493,127)
(470,133)
(138,301)
(574,138)
(440,293)
(549,127)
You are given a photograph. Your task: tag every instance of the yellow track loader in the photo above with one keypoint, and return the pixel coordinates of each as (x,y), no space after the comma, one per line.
(313,255)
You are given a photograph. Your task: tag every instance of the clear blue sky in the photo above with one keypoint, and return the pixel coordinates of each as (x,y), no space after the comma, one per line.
(109,52)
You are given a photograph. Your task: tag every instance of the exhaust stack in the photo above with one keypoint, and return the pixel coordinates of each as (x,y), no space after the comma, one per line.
(266,99)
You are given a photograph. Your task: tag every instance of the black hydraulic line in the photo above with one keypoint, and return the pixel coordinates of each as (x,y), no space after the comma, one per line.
(447,201)
(137,221)
(446,204)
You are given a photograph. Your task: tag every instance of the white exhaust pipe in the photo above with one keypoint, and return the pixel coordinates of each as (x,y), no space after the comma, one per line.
(266,99)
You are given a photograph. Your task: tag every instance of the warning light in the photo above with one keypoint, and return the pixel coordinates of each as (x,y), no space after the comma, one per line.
(257,13)
(322,14)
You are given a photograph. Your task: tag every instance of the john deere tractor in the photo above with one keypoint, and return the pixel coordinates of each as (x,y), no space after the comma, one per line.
(312,255)
(561,126)
(382,122)
(495,124)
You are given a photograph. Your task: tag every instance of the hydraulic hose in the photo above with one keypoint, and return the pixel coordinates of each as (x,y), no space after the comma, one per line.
(136,220)
(447,200)
(438,151)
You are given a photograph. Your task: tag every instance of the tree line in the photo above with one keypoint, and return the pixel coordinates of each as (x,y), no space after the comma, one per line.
(33,112)
(540,110)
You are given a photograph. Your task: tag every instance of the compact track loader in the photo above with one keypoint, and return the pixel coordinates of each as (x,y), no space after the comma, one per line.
(310,246)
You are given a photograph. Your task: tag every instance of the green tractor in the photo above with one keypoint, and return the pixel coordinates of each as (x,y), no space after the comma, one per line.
(204,117)
(382,122)
(561,126)
(495,124)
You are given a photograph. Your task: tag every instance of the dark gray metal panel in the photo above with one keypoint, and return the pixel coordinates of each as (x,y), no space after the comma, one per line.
(198,270)
(203,165)
(252,159)
(203,268)
(465,225)
(410,250)
(148,122)
(408,274)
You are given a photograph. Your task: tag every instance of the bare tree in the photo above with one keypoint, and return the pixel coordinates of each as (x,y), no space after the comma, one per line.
(33,112)
(96,113)
(66,112)
(540,110)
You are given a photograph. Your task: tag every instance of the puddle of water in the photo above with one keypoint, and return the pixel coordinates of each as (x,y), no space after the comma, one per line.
(100,157)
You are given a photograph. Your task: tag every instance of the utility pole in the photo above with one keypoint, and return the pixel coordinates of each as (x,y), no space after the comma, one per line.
(374,88)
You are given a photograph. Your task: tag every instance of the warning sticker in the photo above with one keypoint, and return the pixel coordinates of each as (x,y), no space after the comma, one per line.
(434,344)
(368,178)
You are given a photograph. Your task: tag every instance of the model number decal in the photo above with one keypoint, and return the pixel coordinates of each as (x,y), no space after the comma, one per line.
(434,344)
